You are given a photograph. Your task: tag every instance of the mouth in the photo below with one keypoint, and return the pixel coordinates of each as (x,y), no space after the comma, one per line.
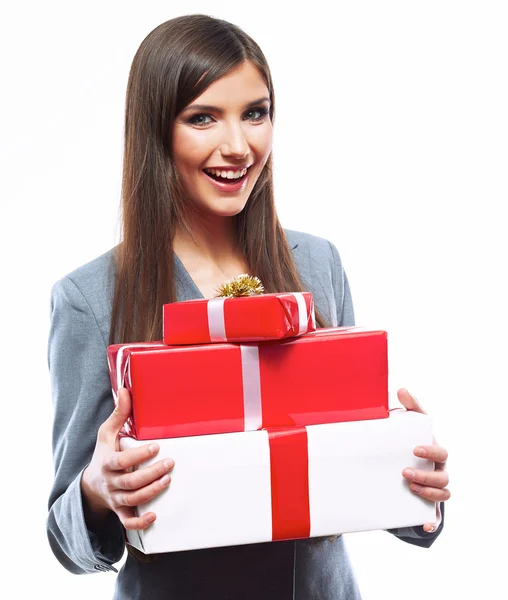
(227,180)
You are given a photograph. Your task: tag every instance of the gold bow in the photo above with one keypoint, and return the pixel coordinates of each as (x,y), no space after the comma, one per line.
(239,286)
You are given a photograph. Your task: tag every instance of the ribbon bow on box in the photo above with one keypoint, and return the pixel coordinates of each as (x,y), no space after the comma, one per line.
(240,286)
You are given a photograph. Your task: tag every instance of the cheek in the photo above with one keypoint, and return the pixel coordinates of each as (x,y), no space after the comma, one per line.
(262,139)
(190,148)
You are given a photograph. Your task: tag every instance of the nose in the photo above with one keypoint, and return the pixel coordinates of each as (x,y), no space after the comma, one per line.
(234,142)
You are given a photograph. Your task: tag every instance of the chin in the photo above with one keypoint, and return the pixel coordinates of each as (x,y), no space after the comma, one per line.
(222,207)
(230,211)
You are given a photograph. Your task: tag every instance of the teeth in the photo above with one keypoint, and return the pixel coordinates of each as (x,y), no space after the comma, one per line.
(227,174)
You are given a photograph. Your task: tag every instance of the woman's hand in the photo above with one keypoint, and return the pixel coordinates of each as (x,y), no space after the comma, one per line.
(108,484)
(428,484)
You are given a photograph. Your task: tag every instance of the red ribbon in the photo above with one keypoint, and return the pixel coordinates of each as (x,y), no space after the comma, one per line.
(289,474)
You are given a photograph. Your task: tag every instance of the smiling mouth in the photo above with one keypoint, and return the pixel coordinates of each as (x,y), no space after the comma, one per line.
(227,180)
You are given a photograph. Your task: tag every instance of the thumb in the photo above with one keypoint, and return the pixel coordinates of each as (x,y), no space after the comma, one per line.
(409,402)
(116,420)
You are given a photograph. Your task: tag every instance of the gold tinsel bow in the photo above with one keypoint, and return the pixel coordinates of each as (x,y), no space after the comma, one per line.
(241,285)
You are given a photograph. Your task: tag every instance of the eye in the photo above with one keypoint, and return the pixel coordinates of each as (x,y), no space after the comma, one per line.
(260,111)
(199,120)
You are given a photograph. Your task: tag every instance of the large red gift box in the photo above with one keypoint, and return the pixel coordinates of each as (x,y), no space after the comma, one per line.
(248,319)
(330,375)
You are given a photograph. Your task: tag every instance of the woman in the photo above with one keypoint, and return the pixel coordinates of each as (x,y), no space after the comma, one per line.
(197,209)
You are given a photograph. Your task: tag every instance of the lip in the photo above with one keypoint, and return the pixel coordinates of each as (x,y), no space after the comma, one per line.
(228,187)
(229,168)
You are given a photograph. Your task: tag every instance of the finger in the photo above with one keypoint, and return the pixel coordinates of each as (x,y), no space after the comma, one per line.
(113,424)
(437,479)
(130,521)
(142,495)
(409,402)
(125,459)
(433,452)
(430,493)
(430,527)
(142,477)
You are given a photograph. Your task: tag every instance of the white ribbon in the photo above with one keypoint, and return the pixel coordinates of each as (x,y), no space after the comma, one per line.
(251,378)
(303,317)
(216,323)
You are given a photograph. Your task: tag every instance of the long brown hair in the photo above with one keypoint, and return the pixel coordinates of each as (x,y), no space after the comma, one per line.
(175,64)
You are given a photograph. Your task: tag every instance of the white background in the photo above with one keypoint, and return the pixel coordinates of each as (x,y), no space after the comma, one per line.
(390,140)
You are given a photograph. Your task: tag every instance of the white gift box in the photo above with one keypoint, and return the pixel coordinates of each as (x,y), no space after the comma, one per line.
(222,490)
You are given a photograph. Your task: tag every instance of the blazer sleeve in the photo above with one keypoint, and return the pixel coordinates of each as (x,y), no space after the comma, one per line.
(82,401)
(346,317)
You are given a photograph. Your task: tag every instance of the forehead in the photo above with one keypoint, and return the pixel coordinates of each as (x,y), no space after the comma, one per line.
(239,87)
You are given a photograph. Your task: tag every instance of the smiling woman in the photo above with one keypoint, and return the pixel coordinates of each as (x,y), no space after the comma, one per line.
(197,208)
(197,176)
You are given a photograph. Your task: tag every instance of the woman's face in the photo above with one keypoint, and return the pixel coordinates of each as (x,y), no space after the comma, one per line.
(222,139)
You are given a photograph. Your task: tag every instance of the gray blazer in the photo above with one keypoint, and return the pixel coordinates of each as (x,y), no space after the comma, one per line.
(80,385)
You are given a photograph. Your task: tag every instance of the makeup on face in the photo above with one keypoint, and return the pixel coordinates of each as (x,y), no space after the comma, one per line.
(222,140)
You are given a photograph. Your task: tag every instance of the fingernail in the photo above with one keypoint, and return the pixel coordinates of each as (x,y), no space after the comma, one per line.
(165,480)
(432,529)
(416,488)
(168,464)
(420,451)
(409,473)
(154,448)
(150,518)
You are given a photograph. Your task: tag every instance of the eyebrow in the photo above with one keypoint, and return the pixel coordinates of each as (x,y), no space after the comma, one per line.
(220,110)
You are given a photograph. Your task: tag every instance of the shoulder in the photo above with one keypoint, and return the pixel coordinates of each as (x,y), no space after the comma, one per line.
(88,288)
(92,279)
(320,269)
(307,242)
(94,272)
(312,252)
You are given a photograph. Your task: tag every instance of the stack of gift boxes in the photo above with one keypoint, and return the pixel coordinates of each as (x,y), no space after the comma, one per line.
(278,430)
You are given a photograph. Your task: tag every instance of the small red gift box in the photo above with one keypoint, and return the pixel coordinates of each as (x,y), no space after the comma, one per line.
(249,319)
(330,375)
